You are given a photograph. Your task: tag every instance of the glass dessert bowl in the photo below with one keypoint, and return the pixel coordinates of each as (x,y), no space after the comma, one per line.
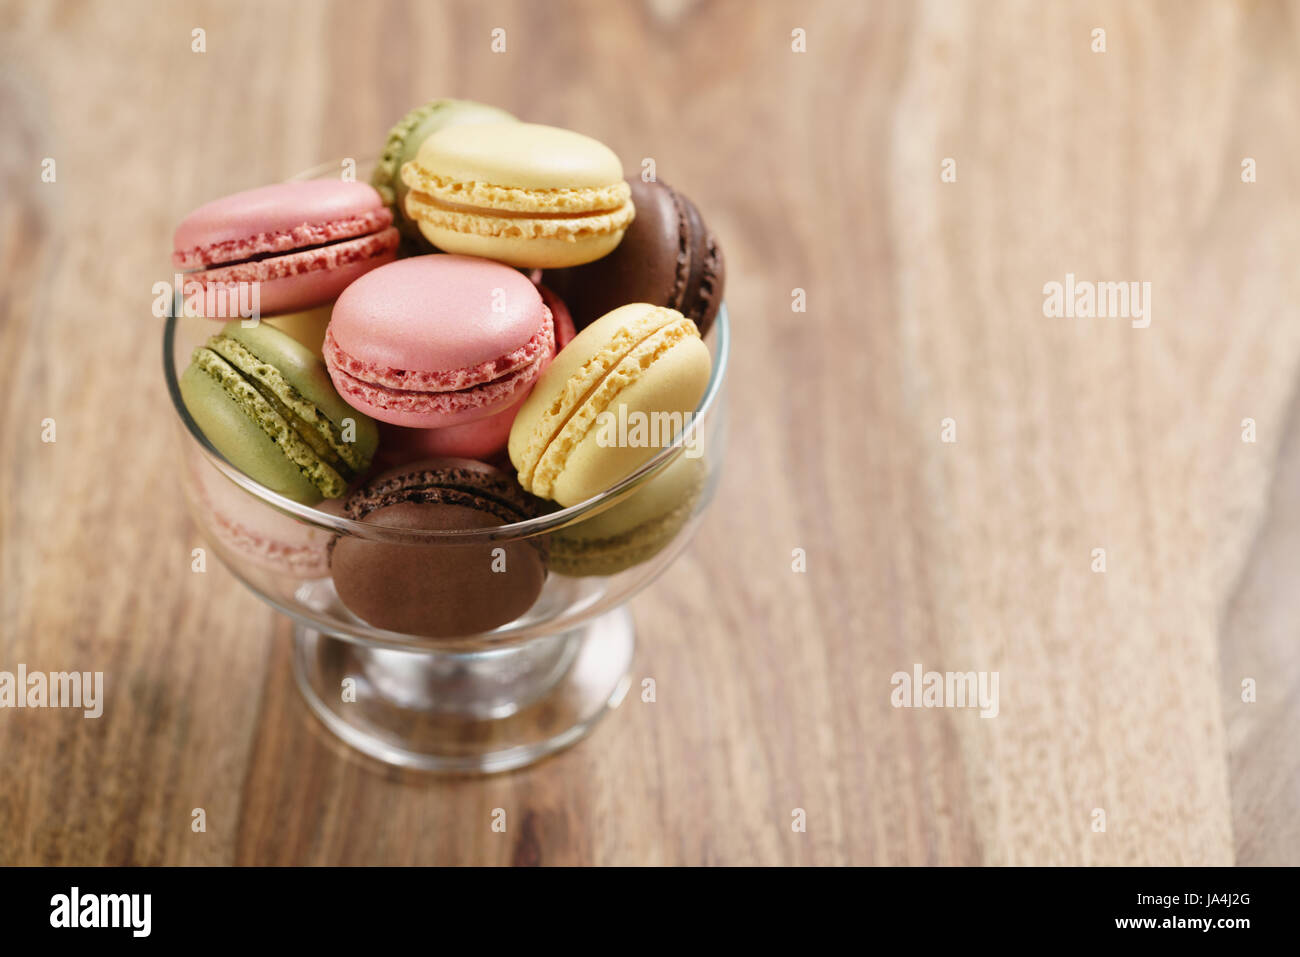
(442,699)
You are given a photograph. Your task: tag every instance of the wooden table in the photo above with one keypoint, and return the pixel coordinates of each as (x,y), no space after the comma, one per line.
(824,171)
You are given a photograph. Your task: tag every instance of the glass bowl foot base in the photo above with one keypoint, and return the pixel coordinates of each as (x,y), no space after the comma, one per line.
(476,712)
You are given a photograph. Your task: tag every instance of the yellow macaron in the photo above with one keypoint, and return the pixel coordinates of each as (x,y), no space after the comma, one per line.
(532,196)
(307,327)
(613,397)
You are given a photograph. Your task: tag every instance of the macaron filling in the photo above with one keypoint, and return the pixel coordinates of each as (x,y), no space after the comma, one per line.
(315,259)
(309,439)
(510,224)
(408,380)
(479,490)
(300,238)
(573,201)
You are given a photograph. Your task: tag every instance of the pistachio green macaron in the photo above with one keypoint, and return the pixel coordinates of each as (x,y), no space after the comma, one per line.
(266,403)
(404,141)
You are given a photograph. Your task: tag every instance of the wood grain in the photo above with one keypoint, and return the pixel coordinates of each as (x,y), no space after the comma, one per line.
(821,171)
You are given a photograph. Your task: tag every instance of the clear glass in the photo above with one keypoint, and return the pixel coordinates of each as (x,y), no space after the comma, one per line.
(481,702)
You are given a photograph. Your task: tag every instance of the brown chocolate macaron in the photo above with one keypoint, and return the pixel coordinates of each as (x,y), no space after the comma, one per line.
(441,589)
(668,257)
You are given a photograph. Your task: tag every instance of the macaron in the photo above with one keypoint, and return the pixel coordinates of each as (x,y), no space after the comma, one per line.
(483,439)
(254,532)
(301,243)
(435,589)
(560,316)
(307,327)
(527,195)
(609,402)
(633,530)
(436,341)
(404,141)
(668,257)
(265,402)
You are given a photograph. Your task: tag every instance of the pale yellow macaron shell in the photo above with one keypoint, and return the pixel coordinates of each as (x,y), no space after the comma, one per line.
(521,193)
(520,155)
(306,327)
(642,358)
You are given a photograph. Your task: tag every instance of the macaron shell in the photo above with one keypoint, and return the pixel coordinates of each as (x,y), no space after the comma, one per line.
(611,556)
(520,155)
(560,316)
(306,327)
(633,530)
(439,589)
(643,268)
(481,439)
(281,217)
(674,382)
(521,252)
(240,440)
(436,590)
(701,296)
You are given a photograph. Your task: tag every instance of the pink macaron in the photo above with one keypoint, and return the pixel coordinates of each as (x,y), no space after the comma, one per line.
(301,243)
(483,439)
(436,341)
(564,328)
(257,533)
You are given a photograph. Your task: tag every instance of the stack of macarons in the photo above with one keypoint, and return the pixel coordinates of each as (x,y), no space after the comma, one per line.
(438,350)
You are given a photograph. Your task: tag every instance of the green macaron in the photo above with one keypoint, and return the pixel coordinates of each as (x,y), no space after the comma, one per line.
(634,529)
(266,403)
(403,144)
